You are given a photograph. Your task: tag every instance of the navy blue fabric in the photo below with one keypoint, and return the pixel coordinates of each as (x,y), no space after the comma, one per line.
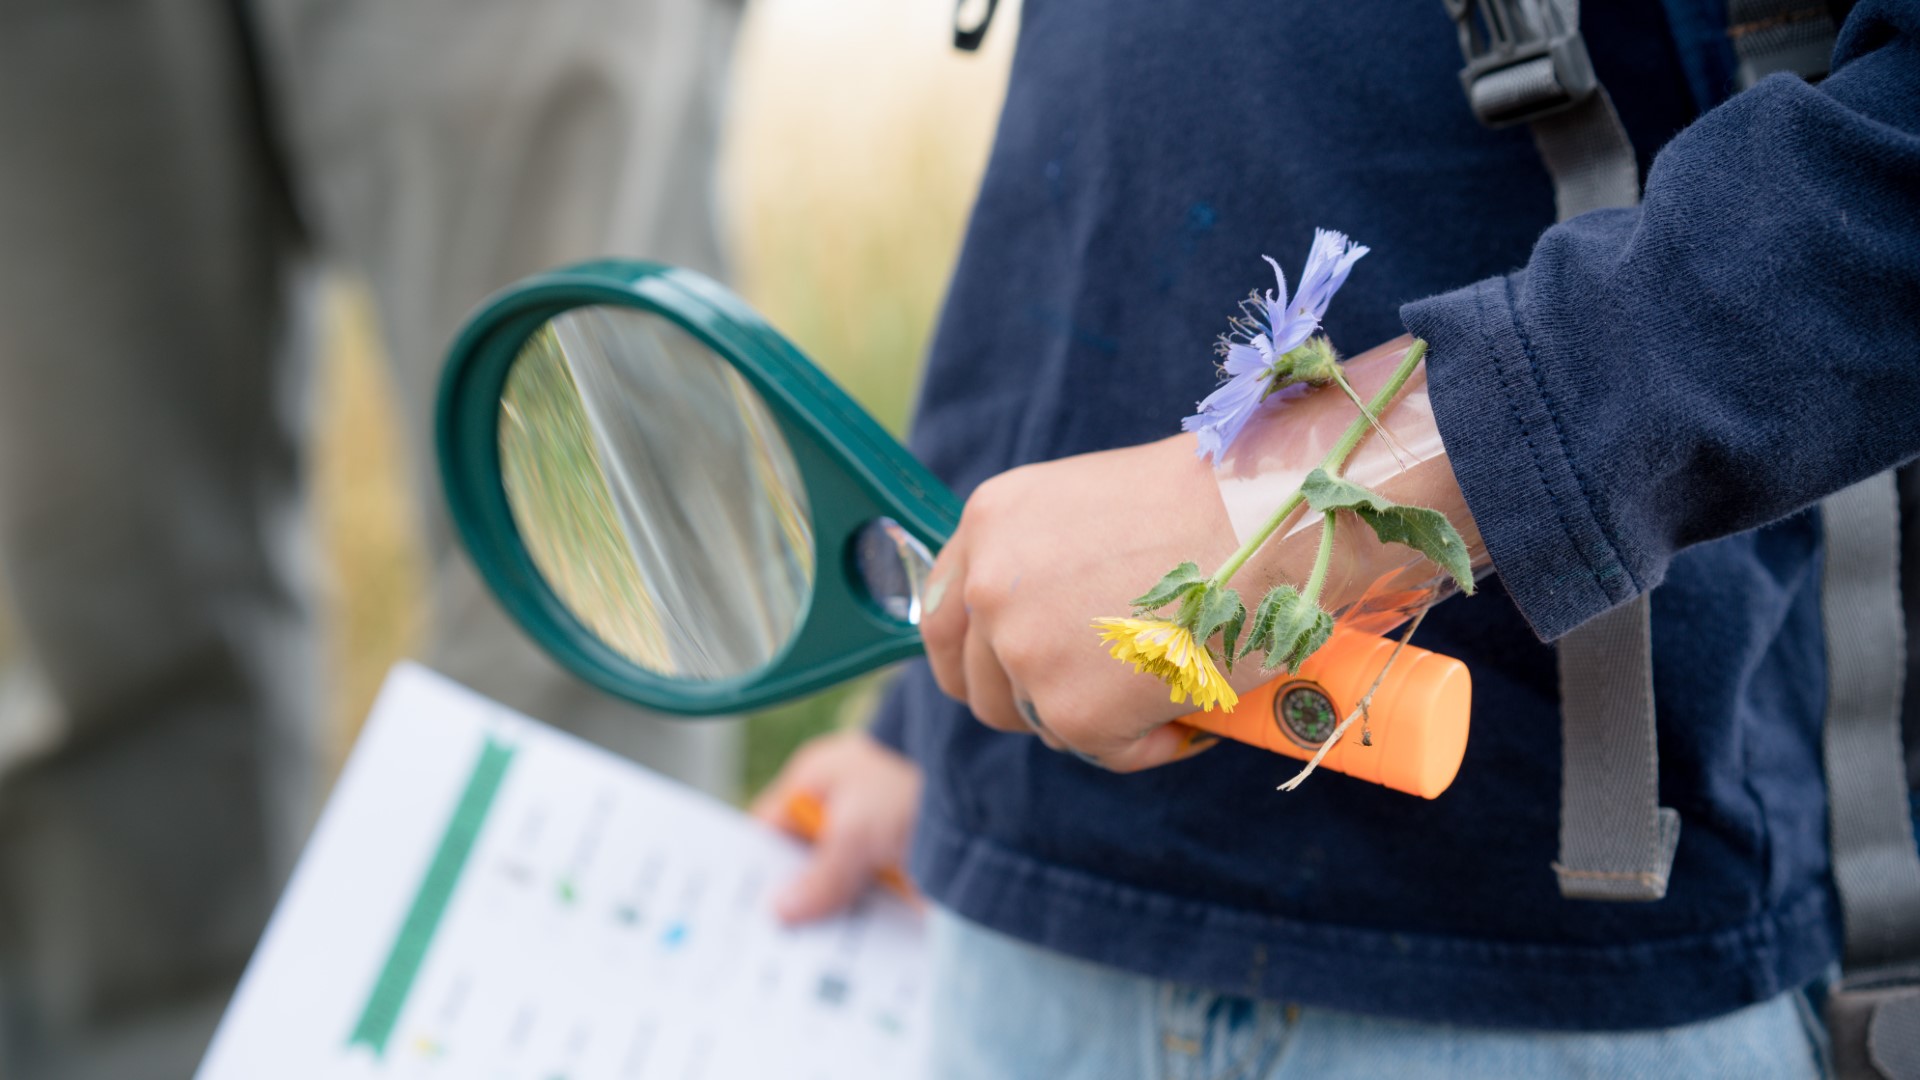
(1642,388)
(1699,30)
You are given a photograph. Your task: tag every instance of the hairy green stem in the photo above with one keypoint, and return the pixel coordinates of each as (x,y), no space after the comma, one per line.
(1321,560)
(1335,461)
(1336,458)
(1373,418)
(1239,558)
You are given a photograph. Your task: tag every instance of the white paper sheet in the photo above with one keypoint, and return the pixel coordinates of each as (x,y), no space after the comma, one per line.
(488,898)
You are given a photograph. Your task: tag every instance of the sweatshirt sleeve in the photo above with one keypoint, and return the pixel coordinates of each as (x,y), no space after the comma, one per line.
(1744,343)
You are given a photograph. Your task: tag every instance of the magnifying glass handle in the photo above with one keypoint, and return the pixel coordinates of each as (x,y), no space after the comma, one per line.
(1416,723)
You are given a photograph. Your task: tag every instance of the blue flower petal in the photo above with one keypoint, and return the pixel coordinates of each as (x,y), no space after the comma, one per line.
(1249,359)
(1329,262)
(1225,412)
(1290,335)
(1279,302)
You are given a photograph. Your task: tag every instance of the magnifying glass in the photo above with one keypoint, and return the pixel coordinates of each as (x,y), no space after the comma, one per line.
(684,511)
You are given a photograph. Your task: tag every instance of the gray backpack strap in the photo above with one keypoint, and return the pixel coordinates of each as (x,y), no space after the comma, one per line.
(1873,1014)
(1780,35)
(1616,840)
(1875,865)
(1527,63)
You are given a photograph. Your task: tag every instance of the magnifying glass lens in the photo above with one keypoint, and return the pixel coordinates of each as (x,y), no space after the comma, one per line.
(893,567)
(656,494)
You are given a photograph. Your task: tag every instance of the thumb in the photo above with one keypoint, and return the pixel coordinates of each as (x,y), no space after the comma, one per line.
(840,869)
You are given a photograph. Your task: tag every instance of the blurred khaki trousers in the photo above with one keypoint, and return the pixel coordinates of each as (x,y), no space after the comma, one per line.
(171,173)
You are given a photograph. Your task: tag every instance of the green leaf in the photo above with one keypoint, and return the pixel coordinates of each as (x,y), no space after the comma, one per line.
(1219,607)
(1260,633)
(1426,531)
(1178,581)
(1288,628)
(1228,633)
(1220,604)
(1299,636)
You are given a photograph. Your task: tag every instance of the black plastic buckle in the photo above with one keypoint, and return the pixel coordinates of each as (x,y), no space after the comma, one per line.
(968,39)
(1522,64)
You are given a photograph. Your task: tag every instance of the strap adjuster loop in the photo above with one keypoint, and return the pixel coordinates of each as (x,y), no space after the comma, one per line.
(1873,1024)
(1522,61)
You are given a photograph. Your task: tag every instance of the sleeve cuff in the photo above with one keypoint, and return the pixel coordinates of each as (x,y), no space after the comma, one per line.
(1498,423)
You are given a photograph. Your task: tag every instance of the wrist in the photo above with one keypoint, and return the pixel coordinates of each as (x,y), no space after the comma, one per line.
(1401,459)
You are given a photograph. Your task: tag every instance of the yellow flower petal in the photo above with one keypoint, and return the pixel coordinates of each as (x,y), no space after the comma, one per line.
(1167,651)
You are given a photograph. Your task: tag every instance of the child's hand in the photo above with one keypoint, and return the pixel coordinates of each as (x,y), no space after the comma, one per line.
(1045,549)
(871,797)
(1040,553)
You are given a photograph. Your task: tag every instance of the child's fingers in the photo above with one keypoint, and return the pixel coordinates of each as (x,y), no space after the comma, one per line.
(944,621)
(1161,746)
(841,867)
(989,693)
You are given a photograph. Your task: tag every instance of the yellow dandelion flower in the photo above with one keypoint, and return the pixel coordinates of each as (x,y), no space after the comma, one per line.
(1167,651)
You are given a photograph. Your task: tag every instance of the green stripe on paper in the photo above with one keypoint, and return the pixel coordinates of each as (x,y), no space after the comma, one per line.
(390,991)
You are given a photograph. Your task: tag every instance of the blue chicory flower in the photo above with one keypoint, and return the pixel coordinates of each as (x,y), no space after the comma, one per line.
(1272,329)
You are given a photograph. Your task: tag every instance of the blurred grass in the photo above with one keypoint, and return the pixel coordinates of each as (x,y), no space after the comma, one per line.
(856,141)
(375,591)
(556,476)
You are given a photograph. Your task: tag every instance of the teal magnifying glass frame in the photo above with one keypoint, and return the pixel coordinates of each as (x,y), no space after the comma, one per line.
(853,471)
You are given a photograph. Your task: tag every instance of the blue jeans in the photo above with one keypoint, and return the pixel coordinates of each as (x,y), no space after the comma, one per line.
(1006,1010)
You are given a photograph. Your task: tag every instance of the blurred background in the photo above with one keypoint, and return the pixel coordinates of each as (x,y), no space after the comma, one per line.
(155,764)
(843,209)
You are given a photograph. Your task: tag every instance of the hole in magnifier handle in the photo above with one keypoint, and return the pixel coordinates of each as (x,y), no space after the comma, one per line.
(892,566)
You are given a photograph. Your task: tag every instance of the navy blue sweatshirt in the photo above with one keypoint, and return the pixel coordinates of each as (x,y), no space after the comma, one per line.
(1636,398)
